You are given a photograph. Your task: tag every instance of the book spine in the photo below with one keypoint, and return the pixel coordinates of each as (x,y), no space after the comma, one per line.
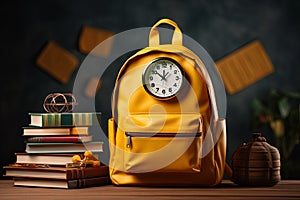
(88,182)
(74,139)
(82,119)
(56,119)
(71,174)
(72,119)
(75,173)
(79,173)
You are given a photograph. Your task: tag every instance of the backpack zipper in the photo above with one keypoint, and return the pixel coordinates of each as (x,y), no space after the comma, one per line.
(148,135)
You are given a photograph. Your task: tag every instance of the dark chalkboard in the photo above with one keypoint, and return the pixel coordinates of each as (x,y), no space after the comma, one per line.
(219,26)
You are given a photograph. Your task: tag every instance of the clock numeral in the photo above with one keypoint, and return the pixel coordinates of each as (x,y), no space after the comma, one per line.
(162,78)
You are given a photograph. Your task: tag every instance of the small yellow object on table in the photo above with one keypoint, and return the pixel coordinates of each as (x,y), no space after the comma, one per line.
(88,160)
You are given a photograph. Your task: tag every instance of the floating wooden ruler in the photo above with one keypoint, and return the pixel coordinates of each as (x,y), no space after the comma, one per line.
(244,66)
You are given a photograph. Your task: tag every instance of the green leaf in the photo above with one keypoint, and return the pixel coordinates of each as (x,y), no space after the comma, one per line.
(293,95)
(258,107)
(284,107)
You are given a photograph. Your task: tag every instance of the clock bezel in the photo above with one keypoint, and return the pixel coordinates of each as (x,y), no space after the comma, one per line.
(144,78)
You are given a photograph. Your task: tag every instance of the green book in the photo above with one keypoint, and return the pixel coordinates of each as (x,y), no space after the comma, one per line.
(64,119)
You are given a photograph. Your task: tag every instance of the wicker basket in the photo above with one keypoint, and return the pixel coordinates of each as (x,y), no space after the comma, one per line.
(256,163)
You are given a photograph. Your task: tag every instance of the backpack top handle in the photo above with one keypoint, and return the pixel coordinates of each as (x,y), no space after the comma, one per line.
(154,34)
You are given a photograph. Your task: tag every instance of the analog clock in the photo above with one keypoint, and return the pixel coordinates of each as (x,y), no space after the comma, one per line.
(163,78)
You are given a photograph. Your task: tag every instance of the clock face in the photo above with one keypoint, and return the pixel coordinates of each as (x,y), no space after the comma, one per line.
(163,78)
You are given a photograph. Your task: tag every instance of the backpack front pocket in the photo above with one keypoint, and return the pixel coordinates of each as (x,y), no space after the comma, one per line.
(164,151)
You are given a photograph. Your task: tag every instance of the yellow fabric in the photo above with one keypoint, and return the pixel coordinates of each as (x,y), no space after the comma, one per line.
(154,34)
(166,158)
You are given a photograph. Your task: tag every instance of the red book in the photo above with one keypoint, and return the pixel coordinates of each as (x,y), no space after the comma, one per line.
(48,139)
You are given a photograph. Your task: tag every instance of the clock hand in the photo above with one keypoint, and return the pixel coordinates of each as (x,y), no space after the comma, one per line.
(165,76)
(161,76)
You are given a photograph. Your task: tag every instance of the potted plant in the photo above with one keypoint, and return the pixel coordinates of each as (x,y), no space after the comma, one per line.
(279,112)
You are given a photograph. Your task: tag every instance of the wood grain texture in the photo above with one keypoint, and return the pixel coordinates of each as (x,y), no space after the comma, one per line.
(286,189)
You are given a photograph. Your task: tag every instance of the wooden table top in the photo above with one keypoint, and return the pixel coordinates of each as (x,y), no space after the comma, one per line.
(285,189)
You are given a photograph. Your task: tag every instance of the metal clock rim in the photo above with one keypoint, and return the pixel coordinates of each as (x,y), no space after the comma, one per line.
(144,81)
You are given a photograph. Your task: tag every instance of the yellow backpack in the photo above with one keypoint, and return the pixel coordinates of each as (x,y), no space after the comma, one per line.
(165,129)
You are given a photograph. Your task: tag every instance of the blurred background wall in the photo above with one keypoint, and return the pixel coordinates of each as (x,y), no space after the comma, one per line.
(220,26)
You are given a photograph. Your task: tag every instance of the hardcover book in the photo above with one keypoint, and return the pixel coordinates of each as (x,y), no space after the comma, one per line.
(61,147)
(55,139)
(65,184)
(62,173)
(64,119)
(46,159)
(54,131)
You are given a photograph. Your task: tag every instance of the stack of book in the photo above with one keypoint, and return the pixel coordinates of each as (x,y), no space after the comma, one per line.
(52,139)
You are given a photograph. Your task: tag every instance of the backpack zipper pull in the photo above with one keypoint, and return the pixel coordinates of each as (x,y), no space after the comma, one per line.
(128,143)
